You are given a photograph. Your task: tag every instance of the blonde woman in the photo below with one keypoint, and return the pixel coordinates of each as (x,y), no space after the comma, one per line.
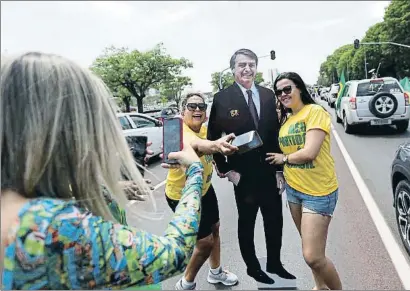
(60,141)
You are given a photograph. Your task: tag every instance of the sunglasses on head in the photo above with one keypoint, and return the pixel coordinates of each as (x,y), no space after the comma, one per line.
(286,89)
(194,106)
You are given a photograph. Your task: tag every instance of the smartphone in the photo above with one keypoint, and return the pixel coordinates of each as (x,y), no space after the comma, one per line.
(247,141)
(172,137)
(138,147)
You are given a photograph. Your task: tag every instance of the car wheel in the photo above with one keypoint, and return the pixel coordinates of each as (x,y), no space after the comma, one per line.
(338,119)
(348,128)
(402,202)
(383,105)
(402,126)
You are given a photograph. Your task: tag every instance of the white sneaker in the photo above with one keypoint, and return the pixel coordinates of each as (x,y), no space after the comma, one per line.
(178,286)
(225,277)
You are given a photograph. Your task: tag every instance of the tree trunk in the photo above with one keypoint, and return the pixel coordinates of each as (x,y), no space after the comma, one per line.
(140,103)
(127,103)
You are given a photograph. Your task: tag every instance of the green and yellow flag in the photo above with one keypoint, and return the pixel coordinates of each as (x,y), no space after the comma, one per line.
(342,82)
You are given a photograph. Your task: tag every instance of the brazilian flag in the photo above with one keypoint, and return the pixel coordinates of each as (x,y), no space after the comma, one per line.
(342,83)
(405,83)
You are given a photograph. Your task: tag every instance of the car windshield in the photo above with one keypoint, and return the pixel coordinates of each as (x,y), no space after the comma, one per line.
(373,87)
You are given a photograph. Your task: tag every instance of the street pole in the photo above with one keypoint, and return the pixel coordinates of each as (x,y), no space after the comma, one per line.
(223,71)
(378,67)
(220,78)
(365,64)
(387,42)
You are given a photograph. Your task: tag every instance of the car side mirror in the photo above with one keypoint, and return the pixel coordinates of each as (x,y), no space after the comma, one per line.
(159,123)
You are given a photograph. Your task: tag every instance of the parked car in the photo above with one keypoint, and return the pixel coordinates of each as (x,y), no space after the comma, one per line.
(163,113)
(135,124)
(374,102)
(331,96)
(155,113)
(169,112)
(400,181)
(323,93)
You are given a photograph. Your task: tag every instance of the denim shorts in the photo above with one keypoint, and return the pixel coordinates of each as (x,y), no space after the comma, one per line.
(324,205)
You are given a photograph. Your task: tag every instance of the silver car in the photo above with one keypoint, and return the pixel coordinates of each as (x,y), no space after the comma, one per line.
(374,102)
(331,96)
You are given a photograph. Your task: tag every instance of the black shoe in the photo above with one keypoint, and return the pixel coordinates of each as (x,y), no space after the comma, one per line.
(261,276)
(281,272)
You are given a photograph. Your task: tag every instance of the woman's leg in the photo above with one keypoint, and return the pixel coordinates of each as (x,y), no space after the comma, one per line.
(314,229)
(296,212)
(201,253)
(215,256)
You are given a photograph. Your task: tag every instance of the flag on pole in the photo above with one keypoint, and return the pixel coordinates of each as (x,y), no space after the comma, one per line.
(342,82)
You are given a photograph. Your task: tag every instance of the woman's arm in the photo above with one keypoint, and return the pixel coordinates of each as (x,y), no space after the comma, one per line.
(207,147)
(99,254)
(314,141)
(317,127)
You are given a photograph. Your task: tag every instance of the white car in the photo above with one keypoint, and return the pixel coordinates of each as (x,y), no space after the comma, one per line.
(374,102)
(331,96)
(134,124)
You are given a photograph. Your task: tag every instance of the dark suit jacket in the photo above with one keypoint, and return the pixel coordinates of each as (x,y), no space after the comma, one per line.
(230,113)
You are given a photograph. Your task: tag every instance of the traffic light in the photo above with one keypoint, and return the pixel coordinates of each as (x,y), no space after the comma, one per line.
(272,55)
(356,43)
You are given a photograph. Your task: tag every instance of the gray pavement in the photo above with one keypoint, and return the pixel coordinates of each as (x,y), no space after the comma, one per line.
(372,152)
(354,243)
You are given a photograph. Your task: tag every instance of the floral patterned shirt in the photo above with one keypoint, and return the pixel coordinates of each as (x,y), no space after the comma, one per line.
(56,244)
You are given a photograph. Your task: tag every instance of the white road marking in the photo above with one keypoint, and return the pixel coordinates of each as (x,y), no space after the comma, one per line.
(393,249)
(159,185)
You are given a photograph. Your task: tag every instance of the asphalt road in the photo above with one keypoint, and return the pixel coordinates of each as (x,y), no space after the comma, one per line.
(372,152)
(354,243)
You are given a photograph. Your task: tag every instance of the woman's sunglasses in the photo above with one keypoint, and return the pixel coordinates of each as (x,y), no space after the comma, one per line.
(194,106)
(286,89)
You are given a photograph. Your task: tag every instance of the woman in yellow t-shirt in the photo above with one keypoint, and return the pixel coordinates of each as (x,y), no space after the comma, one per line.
(208,242)
(311,182)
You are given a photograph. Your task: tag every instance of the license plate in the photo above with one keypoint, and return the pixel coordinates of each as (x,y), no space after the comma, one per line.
(380,121)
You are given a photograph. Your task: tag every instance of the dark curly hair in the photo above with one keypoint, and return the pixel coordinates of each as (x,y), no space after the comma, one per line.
(304,94)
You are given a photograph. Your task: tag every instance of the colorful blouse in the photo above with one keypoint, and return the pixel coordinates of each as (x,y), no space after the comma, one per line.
(56,244)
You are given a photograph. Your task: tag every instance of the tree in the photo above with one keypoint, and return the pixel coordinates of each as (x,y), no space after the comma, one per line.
(228,79)
(123,95)
(137,71)
(345,62)
(395,60)
(163,100)
(397,29)
(172,89)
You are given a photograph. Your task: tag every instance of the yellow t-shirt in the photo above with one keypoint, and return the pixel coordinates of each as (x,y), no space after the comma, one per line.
(176,177)
(318,177)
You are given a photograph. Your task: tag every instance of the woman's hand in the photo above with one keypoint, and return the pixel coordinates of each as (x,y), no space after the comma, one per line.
(148,154)
(185,157)
(275,159)
(224,145)
(132,191)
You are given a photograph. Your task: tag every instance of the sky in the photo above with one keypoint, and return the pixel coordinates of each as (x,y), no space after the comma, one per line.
(207,33)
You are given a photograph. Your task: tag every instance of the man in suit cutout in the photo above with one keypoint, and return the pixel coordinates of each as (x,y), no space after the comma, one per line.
(240,108)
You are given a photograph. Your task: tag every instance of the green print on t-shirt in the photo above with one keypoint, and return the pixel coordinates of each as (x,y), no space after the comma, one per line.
(308,165)
(296,137)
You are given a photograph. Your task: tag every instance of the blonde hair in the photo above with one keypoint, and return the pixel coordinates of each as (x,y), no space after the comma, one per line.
(60,137)
(188,95)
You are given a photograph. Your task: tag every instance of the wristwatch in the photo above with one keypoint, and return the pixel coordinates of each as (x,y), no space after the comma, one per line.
(285,159)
